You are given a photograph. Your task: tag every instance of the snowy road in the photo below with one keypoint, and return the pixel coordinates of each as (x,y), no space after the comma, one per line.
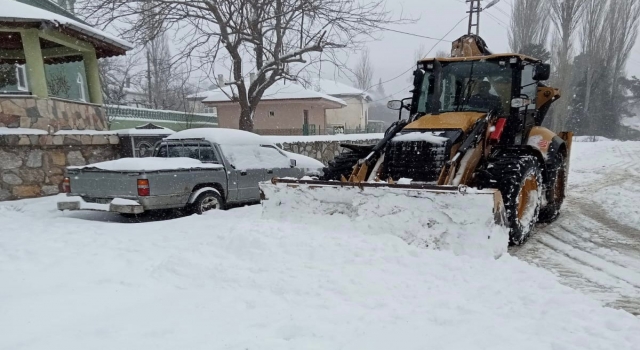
(595,245)
(234,280)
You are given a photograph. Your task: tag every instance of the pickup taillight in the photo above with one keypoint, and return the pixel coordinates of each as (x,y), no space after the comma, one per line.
(143,187)
(66,185)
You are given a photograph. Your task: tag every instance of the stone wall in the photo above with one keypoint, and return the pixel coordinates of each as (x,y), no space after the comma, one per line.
(50,114)
(323,151)
(33,165)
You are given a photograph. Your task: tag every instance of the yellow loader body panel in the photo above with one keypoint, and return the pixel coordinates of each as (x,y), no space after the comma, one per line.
(450,120)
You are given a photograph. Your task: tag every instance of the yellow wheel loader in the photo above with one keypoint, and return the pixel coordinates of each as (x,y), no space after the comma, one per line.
(473,134)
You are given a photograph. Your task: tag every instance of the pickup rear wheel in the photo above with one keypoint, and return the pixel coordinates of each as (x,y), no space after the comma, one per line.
(207,201)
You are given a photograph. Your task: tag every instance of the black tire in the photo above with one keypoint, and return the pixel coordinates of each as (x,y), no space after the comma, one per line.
(135,216)
(556,189)
(519,179)
(342,164)
(207,201)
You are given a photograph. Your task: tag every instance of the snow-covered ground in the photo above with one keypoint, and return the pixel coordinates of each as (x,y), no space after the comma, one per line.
(595,244)
(235,280)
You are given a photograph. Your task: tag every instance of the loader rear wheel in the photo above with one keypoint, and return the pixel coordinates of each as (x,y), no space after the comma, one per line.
(519,181)
(556,187)
(342,164)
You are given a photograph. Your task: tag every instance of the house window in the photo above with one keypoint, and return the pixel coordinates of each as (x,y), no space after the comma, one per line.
(80,82)
(209,110)
(272,113)
(21,77)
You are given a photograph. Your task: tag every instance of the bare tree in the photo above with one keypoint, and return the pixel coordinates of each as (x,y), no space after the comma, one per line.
(273,39)
(594,45)
(364,72)
(117,74)
(162,77)
(565,16)
(442,54)
(529,26)
(8,75)
(57,83)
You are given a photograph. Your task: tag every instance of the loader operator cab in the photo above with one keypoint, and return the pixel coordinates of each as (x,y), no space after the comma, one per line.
(505,85)
(484,99)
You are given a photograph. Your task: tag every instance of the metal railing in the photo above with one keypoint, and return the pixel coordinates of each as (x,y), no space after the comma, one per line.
(316,131)
(126,112)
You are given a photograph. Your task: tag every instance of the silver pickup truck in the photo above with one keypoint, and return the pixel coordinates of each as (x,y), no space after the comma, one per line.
(195,169)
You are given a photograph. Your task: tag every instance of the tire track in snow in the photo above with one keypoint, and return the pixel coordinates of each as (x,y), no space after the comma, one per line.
(595,262)
(586,248)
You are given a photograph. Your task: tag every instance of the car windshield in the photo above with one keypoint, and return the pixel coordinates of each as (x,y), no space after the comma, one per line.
(469,86)
(196,150)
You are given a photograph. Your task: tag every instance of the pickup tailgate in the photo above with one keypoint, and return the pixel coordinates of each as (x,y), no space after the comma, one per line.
(104,184)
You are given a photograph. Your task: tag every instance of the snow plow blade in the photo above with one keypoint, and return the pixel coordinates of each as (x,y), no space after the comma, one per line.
(464,220)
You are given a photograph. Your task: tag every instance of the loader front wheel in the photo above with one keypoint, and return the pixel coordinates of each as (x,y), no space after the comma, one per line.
(519,181)
(342,164)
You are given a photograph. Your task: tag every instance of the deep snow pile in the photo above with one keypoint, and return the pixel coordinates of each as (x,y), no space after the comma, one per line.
(459,222)
(231,280)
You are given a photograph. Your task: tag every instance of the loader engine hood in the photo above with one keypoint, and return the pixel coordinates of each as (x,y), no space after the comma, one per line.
(451,120)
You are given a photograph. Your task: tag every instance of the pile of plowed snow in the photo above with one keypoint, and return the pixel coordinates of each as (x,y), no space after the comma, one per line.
(232,280)
(460,222)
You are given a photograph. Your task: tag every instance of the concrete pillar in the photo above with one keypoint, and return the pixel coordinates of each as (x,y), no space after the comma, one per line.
(93,76)
(35,64)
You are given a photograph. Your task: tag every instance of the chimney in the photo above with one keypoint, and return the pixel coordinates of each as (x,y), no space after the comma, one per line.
(220,80)
(252,78)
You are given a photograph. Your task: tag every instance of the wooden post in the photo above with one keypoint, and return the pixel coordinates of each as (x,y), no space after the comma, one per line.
(93,76)
(35,64)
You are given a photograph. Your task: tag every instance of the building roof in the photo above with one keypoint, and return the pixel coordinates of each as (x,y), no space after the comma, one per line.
(52,6)
(277,91)
(19,13)
(337,89)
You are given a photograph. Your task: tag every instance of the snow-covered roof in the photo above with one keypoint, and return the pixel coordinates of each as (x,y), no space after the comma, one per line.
(149,164)
(334,88)
(134,90)
(222,136)
(277,91)
(13,11)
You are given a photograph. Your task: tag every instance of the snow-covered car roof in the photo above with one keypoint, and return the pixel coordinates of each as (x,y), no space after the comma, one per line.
(222,136)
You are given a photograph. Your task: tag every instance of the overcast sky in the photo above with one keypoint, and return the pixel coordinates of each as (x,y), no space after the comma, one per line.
(394,53)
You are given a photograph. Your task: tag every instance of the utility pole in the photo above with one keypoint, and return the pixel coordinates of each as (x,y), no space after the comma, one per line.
(475,9)
(149,93)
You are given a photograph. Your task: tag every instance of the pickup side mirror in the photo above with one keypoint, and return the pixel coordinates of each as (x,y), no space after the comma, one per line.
(542,71)
(293,162)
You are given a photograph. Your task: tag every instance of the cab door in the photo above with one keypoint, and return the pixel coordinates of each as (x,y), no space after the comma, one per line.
(528,90)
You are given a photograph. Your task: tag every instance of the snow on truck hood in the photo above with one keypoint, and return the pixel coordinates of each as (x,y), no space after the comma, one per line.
(148,164)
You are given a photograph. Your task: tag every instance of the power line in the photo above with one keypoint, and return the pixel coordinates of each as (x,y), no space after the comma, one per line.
(411,34)
(433,47)
(498,20)
(502,11)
